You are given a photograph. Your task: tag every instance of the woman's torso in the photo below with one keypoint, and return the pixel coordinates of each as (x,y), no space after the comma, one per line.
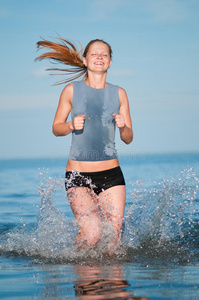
(93,148)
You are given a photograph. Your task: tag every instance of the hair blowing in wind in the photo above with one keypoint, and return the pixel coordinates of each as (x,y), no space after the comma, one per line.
(66,53)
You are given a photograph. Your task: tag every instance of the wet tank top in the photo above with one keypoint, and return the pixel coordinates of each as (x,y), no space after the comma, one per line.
(96,141)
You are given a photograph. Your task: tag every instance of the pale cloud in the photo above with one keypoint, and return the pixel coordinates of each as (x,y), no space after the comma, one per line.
(122,73)
(101,10)
(164,104)
(28,101)
(161,11)
(40,72)
(167,11)
(4,13)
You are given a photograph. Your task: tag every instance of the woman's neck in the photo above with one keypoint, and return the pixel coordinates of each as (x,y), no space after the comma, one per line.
(96,81)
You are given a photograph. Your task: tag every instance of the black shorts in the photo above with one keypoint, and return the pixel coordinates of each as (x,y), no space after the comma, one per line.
(97,181)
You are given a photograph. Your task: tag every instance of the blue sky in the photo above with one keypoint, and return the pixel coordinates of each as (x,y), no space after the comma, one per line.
(155,59)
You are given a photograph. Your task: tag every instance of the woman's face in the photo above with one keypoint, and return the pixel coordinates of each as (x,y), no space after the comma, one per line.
(97,58)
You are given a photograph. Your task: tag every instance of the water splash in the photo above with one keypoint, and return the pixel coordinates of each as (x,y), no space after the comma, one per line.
(161,223)
(52,237)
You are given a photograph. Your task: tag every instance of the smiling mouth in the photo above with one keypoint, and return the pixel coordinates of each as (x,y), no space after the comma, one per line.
(99,63)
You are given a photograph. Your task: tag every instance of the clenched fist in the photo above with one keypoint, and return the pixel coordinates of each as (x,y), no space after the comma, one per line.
(119,120)
(78,122)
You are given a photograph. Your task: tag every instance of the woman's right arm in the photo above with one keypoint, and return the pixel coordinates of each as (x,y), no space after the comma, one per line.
(60,126)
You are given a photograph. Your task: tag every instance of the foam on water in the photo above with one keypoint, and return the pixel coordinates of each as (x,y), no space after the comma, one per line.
(160,224)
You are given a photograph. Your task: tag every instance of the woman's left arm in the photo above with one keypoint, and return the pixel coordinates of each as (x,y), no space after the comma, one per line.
(123,119)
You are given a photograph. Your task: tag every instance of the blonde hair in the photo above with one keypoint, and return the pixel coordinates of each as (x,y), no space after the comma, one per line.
(65,52)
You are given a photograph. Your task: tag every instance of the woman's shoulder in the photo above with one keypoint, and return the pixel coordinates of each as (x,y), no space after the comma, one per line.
(67,92)
(121,91)
(123,96)
(69,88)
(73,84)
(116,86)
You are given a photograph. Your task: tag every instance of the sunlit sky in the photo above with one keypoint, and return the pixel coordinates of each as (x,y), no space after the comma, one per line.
(155,59)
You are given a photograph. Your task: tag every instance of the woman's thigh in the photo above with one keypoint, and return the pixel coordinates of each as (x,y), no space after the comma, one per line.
(112,205)
(82,201)
(84,205)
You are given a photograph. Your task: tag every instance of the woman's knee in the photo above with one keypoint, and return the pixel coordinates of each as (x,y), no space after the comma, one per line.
(91,229)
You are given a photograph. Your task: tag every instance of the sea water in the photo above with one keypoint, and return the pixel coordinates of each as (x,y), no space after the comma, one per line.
(159,255)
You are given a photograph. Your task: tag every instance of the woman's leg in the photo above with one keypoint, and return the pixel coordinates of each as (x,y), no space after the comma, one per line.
(83,203)
(112,205)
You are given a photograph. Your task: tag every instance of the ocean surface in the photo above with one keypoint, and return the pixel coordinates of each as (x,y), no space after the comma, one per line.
(159,256)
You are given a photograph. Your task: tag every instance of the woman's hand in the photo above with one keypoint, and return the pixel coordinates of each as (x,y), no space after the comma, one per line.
(78,122)
(119,120)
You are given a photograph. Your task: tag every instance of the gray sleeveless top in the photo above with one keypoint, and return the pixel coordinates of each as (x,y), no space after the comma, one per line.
(96,141)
